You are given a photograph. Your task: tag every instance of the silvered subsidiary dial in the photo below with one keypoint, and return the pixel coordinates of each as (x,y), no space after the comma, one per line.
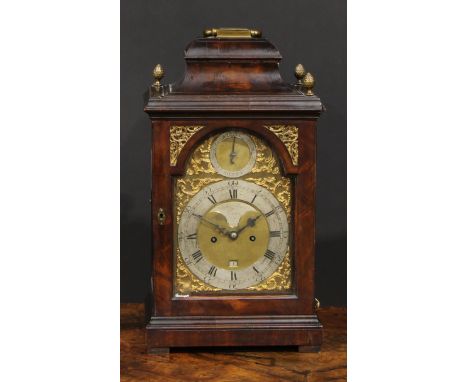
(233,234)
(233,154)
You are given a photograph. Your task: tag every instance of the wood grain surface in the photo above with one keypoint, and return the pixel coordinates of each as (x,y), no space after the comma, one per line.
(232,364)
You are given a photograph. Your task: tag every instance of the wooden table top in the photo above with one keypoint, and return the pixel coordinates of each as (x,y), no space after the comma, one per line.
(227,365)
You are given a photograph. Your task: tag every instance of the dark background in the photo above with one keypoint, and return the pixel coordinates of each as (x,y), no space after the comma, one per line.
(309,32)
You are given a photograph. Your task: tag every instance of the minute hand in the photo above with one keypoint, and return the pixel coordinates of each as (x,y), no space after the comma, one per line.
(250,223)
(219,228)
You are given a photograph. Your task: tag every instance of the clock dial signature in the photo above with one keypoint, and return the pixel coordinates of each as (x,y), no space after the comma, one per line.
(233,234)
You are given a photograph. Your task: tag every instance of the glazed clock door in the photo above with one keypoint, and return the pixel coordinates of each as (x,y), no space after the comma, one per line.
(233,231)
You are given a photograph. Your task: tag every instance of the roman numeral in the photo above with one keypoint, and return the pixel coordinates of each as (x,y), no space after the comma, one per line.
(274,233)
(233,193)
(233,276)
(192,236)
(255,269)
(212,199)
(255,196)
(197,256)
(273,211)
(269,254)
(212,271)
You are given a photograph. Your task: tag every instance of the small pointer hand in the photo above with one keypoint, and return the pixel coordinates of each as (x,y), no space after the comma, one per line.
(233,154)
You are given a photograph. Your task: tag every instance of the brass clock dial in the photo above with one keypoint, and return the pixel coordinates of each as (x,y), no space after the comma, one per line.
(233,154)
(233,234)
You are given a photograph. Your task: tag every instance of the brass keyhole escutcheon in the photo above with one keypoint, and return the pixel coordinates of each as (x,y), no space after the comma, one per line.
(161,216)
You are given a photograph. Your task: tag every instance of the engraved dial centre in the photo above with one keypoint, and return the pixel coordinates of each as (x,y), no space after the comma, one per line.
(238,221)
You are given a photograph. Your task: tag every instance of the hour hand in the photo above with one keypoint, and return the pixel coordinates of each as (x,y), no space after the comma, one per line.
(250,223)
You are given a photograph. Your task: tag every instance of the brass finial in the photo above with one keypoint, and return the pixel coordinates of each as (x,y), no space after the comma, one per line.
(299,72)
(309,83)
(158,74)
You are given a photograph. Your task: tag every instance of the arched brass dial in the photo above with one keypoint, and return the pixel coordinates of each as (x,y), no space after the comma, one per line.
(233,154)
(233,234)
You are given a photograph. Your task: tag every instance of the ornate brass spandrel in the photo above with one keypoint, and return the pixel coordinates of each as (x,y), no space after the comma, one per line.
(187,282)
(280,280)
(289,135)
(188,187)
(278,186)
(267,164)
(179,135)
(199,174)
(200,163)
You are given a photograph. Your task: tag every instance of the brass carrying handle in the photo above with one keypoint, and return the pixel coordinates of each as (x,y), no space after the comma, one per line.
(232,33)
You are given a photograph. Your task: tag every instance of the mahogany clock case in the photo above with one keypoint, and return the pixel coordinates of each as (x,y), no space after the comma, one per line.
(233,83)
(145,42)
(283,319)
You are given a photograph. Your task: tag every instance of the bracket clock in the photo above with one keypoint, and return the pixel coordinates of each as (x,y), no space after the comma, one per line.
(233,199)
